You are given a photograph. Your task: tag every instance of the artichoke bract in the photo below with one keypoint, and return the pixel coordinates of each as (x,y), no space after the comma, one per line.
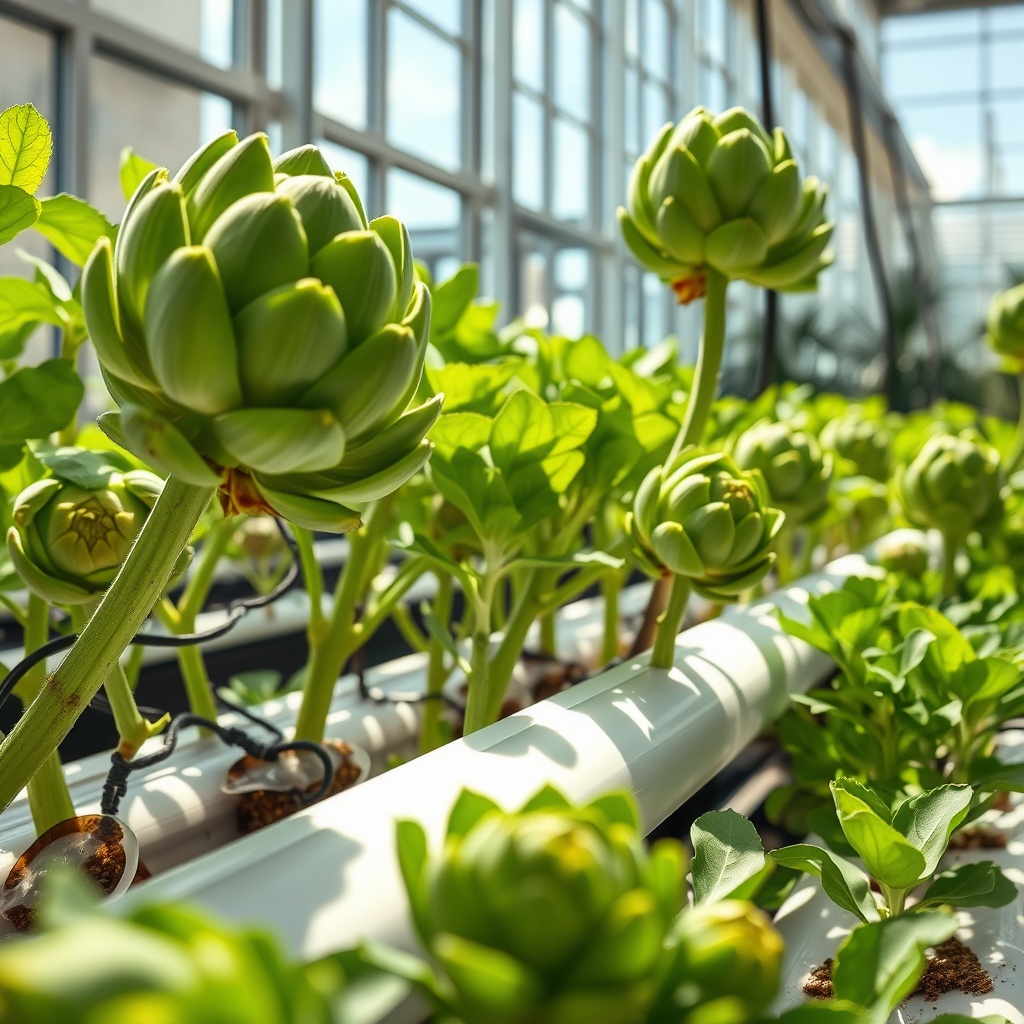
(260,336)
(1005,327)
(563,902)
(68,541)
(863,445)
(705,518)
(795,470)
(954,484)
(720,192)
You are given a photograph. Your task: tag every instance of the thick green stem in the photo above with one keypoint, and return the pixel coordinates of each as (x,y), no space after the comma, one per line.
(198,687)
(476,695)
(1017,452)
(312,579)
(709,365)
(548,634)
(611,585)
(122,611)
(48,797)
(437,671)
(664,653)
(200,580)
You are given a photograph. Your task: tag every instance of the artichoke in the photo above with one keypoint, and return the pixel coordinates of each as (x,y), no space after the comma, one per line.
(705,518)
(1005,327)
(68,541)
(720,192)
(565,904)
(906,556)
(261,337)
(954,484)
(726,965)
(794,467)
(863,445)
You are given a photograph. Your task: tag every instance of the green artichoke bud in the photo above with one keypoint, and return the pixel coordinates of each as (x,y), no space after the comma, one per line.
(908,557)
(721,192)
(726,965)
(795,469)
(705,518)
(863,445)
(261,337)
(68,541)
(565,904)
(954,484)
(1005,327)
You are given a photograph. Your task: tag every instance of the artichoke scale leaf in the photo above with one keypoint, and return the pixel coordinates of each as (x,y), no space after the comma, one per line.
(679,233)
(325,208)
(677,173)
(675,550)
(359,490)
(189,334)
(738,117)
(50,588)
(303,160)
(307,511)
(395,440)
(736,168)
(394,234)
(776,203)
(194,169)
(638,201)
(697,133)
(286,440)
(158,442)
(646,255)
(737,244)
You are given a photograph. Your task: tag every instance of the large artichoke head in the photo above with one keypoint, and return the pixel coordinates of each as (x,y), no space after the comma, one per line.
(705,518)
(563,903)
(864,446)
(1005,327)
(261,337)
(797,472)
(68,541)
(720,192)
(954,484)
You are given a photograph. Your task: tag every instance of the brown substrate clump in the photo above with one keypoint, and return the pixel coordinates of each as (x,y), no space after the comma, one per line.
(952,967)
(263,807)
(978,837)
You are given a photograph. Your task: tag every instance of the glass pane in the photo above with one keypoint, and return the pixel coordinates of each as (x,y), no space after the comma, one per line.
(632,29)
(571,172)
(528,152)
(568,315)
(657,38)
(635,140)
(1006,19)
(1008,173)
(712,88)
(275,58)
(947,142)
(911,28)
(572,62)
(423,91)
(711,29)
(123,101)
(528,44)
(932,70)
(572,269)
(203,27)
(356,165)
(656,110)
(432,213)
(1008,121)
(533,289)
(446,14)
(655,311)
(340,45)
(1006,64)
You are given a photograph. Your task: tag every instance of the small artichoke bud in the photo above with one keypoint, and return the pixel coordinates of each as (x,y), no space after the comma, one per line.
(796,471)
(954,484)
(726,965)
(1005,328)
(908,557)
(68,541)
(261,337)
(720,192)
(864,446)
(705,518)
(568,903)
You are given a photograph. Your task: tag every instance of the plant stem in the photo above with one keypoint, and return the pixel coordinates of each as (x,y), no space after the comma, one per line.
(709,365)
(664,653)
(548,634)
(784,557)
(610,588)
(122,611)
(1017,452)
(312,580)
(437,671)
(510,648)
(48,797)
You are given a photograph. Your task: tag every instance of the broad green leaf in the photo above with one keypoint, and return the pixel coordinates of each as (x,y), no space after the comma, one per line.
(471,387)
(817,1012)
(37,400)
(572,424)
(451,298)
(88,469)
(72,226)
(468,809)
(879,964)
(991,774)
(412,862)
(928,821)
(586,360)
(618,807)
(846,885)
(25,145)
(579,558)
(888,856)
(975,884)
(727,851)
(547,798)
(522,432)
(134,170)
(950,648)
(456,430)
(49,278)
(25,302)
(18,211)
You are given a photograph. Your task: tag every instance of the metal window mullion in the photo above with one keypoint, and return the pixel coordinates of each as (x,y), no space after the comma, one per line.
(611,263)
(503,235)
(549,107)
(297,72)
(470,117)
(376,101)
(430,26)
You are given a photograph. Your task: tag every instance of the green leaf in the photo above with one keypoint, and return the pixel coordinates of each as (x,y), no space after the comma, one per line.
(134,170)
(618,807)
(450,299)
(844,884)
(442,634)
(975,884)
(25,145)
(18,211)
(547,798)
(24,302)
(469,808)
(72,226)
(928,821)
(823,1013)
(89,469)
(727,851)
(579,558)
(879,964)
(48,278)
(411,842)
(487,978)
(887,854)
(456,430)
(37,400)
